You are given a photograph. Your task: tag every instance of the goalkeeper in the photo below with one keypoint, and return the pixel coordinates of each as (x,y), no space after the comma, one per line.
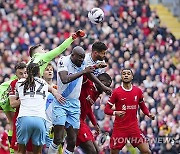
(38,55)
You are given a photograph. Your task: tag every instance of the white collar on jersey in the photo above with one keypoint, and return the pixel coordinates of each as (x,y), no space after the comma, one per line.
(126,89)
(90,54)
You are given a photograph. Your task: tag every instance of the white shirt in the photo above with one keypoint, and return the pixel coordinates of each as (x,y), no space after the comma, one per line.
(65,64)
(49,101)
(90,62)
(32,103)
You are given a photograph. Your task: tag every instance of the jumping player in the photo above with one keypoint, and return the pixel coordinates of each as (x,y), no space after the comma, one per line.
(89,93)
(42,58)
(96,56)
(70,71)
(20,69)
(31,95)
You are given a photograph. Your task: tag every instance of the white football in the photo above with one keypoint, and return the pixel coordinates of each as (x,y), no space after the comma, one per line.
(96,15)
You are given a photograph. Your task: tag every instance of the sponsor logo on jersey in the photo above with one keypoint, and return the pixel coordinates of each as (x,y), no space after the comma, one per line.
(89,99)
(128,107)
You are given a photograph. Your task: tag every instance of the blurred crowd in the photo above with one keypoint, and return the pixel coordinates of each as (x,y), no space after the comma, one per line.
(135,39)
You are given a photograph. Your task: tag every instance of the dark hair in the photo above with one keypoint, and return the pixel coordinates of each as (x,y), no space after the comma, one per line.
(127,69)
(20,65)
(31,50)
(49,64)
(99,46)
(105,77)
(32,71)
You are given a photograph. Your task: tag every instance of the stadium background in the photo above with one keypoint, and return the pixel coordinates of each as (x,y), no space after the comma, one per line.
(135,38)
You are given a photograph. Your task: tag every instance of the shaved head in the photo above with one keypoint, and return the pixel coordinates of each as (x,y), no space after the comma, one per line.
(78,50)
(77,56)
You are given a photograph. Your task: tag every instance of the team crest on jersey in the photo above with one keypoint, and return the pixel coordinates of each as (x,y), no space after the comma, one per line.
(61,64)
(135,98)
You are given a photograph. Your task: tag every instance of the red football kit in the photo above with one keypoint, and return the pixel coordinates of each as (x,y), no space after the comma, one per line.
(126,127)
(14,144)
(4,142)
(88,96)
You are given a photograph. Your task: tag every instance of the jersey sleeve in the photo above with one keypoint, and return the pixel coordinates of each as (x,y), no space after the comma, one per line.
(92,117)
(141,97)
(12,88)
(49,56)
(112,99)
(108,108)
(142,105)
(62,66)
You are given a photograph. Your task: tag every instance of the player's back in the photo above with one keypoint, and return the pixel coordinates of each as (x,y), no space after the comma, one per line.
(33,101)
(127,100)
(88,96)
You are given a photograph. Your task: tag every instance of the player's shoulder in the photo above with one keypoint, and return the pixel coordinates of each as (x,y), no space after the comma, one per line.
(88,83)
(87,55)
(40,80)
(118,89)
(13,83)
(21,80)
(63,60)
(136,88)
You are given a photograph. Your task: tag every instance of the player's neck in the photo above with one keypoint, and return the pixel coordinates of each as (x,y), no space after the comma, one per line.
(49,81)
(93,57)
(127,86)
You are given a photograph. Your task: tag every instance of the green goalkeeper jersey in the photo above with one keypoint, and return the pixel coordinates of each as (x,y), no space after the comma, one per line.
(42,59)
(4,95)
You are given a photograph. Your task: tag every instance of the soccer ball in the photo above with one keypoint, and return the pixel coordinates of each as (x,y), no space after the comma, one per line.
(96,15)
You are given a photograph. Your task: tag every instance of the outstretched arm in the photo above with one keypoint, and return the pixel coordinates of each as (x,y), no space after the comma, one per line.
(65,78)
(49,56)
(93,78)
(58,50)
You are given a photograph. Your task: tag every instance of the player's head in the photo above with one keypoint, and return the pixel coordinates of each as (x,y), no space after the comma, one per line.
(20,69)
(36,49)
(77,56)
(32,71)
(105,79)
(126,75)
(48,72)
(99,50)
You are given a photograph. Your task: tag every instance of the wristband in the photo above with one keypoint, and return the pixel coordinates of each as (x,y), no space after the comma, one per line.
(114,113)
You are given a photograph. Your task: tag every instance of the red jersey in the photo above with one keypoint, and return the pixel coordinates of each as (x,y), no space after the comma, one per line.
(128,101)
(88,96)
(4,142)
(12,92)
